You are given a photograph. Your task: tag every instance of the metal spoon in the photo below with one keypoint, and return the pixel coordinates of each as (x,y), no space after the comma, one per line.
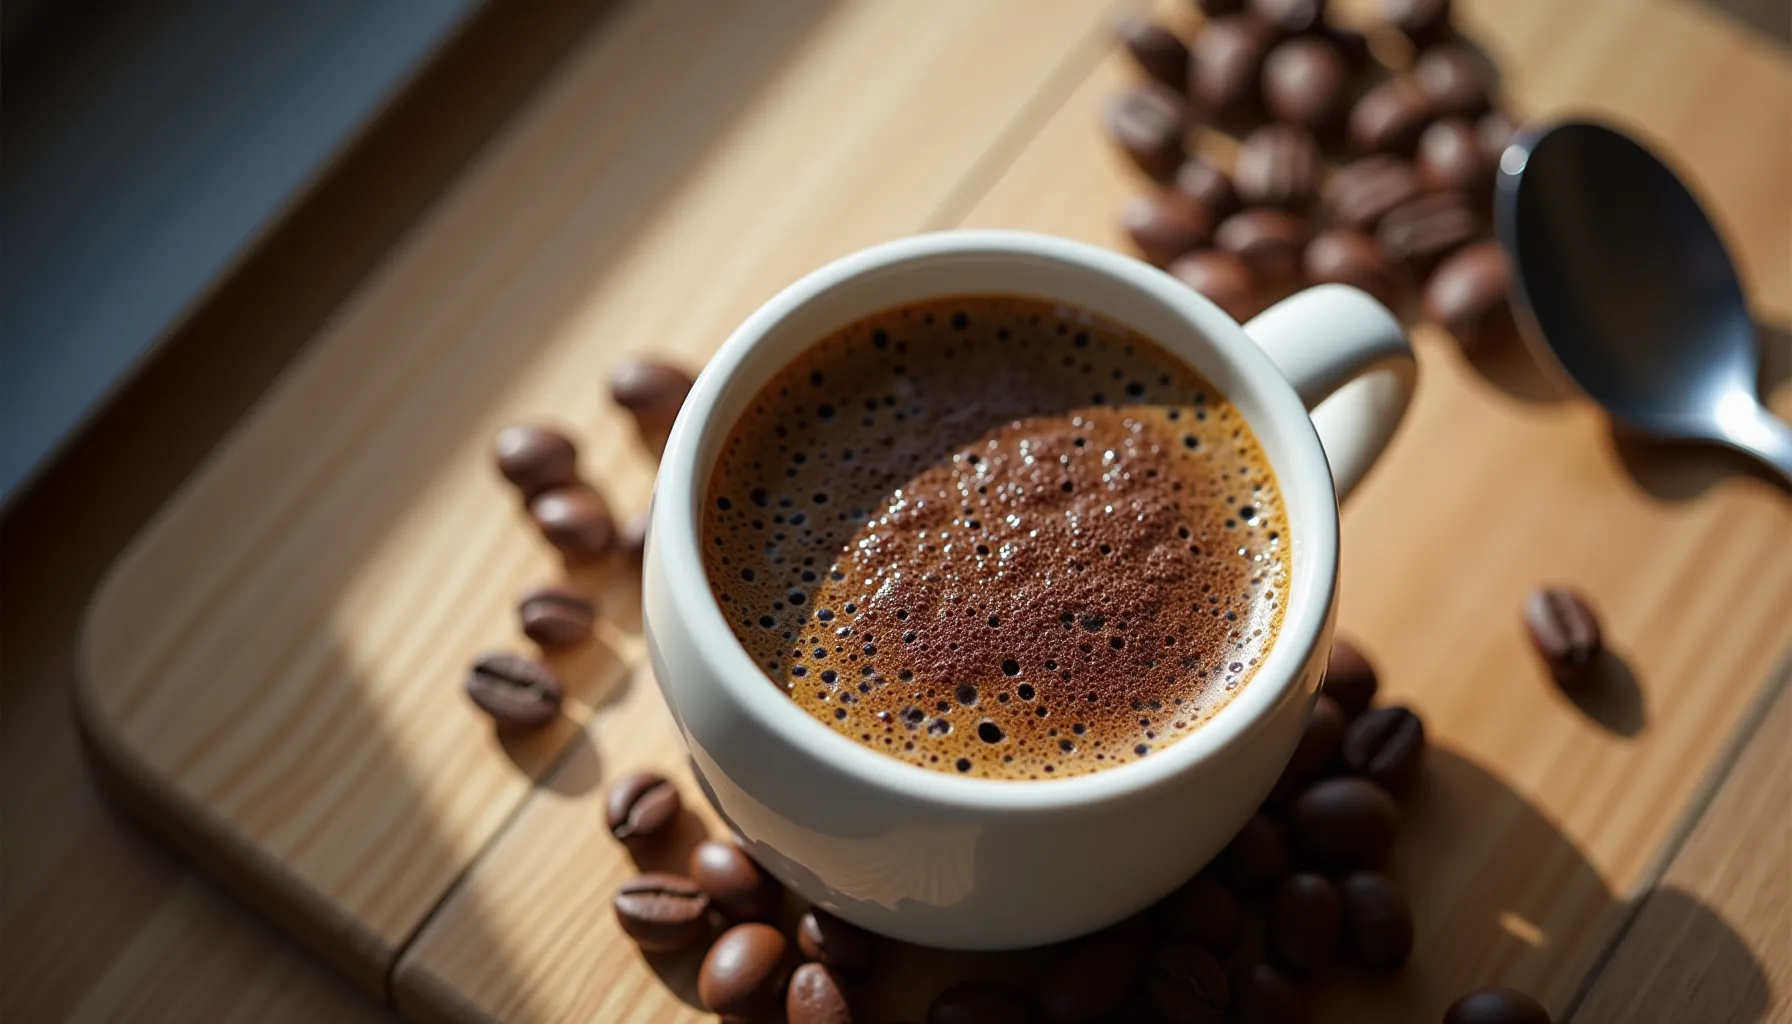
(1620,279)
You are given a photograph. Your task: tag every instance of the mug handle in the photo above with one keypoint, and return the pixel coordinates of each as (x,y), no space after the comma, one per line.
(1350,362)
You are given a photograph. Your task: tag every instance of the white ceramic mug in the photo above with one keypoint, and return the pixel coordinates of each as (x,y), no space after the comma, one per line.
(987,864)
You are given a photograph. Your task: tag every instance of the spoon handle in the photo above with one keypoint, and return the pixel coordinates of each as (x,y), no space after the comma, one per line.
(1755,430)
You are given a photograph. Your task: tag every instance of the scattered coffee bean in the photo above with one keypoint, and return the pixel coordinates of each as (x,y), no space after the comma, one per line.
(1208,185)
(1344,822)
(661,912)
(1494,131)
(1468,293)
(1290,15)
(1450,158)
(826,939)
(1360,193)
(632,542)
(1204,912)
(576,521)
(641,809)
(1387,747)
(1159,53)
(980,1002)
(1223,278)
(536,458)
(1377,922)
(1305,919)
(1263,995)
(1186,985)
(1165,224)
(1090,980)
(1349,678)
(1389,117)
(1496,1006)
(556,618)
(517,692)
(744,974)
(1269,241)
(1343,256)
(1227,61)
(1278,165)
(1148,121)
(740,889)
(1423,21)
(1316,754)
(1565,631)
(1256,860)
(653,392)
(1423,231)
(1454,79)
(817,996)
(1303,82)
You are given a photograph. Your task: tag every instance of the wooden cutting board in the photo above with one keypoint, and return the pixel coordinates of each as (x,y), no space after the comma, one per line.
(272,671)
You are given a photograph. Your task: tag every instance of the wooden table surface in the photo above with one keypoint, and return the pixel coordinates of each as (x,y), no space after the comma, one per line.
(112,929)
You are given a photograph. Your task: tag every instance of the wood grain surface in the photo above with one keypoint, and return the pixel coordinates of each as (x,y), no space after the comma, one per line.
(273,668)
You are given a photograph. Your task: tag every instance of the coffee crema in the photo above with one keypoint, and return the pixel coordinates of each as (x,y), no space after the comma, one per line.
(997,536)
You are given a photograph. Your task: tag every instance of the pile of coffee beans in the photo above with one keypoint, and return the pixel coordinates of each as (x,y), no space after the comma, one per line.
(571,514)
(1296,894)
(1366,159)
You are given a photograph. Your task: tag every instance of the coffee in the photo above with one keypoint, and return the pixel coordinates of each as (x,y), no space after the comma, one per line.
(996,536)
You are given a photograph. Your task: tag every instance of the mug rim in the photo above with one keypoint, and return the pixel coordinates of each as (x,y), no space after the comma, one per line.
(676,519)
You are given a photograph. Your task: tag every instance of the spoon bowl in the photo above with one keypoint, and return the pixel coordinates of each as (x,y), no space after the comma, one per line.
(1621,282)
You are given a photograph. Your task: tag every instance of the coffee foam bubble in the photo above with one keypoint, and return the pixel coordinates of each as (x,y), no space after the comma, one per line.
(997,537)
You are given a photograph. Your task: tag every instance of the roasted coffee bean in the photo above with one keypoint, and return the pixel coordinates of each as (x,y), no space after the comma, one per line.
(1389,117)
(1343,256)
(576,521)
(536,458)
(1263,995)
(817,996)
(1269,241)
(556,618)
(1344,822)
(1423,21)
(1227,62)
(518,693)
(1455,79)
(641,809)
(826,939)
(1204,912)
(738,886)
(1147,121)
(1450,159)
(1423,231)
(653,391)
(1565,631)
(1305,919)
(980,1002)
(1221,276)
(1165,224)
(1496,1006)
(1387,747)
(1349,678)
(1290,15)
(1278,165)
(1377,922)
(1186,985)
(744,974)
(1206,185)
(1360,193)
(1159,53)
(1303,82)
(1494,132)
(1256,860)
(1468,293)
(1089,980)
(1316,754)
(662,912)
(632,541)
